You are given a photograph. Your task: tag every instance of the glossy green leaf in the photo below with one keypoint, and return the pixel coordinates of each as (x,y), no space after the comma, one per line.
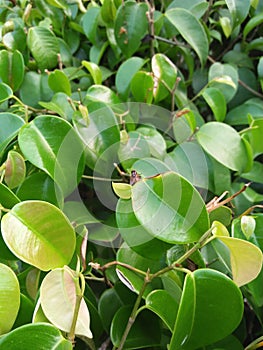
(252,23)
(238,10)
(191,30)
(35,88)
(190,161)
(246,259)
(8,198)
(44,47)
(164,305)
(239,114)
(35,337)
(59,82)
(12,68)
(94,70)
(224,77)
(142,87)
(101,137)
(170,208)
(25,312)
(103,94)
(9,127)
(184,126)
(216,101)
(144,333)
(46,239)
(9,298)
(108,11)
(133,233)
(255,137)
(15,169)
(211,308)
(90,24)
(125,74)
(59,104)
(223,143)
(137,147)
(122,190)
(197,7)
(40,186)
(130,26)
(155,141)
(51,144)
(222,214)
(58,3)
(164,75)
(58,298)
(5,92)
(248,225)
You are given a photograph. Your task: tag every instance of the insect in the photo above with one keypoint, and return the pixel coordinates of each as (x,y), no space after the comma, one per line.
(134,177)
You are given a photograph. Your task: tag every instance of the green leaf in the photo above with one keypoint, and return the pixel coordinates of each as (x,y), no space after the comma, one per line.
(125,74)
(211,307)
(9,127)
(216,101)
(164,75)
(101,137)
(15,169)
(142,87)
(8,198)
(197,7)
(5,92)
(90,24)
(145,332)
(35,337)
(137,147)
(103,94)
(248,224)
(51,144)
(254,135)
(223,143)
(130,26)
(9,298)
(111,300)
(122,190)
(58,297)
(224,77)
(44,47)
(164,305)
(170,208)
(108,11)
(40,186)
(12,68)
(34,89)
(59,82)
(191,30)
(46,239)
(94,70)
(239,114)
(133,233)
(190,161)
(239,10)
(59,104)
(155,141)
(246,259)
(25,312)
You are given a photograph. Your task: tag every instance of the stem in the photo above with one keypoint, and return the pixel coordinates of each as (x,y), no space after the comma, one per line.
(176,264)
(79,296)
(255,344)
(134,311)
(150,14)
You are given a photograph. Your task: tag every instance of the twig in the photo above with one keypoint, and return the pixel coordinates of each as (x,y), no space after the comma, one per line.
(134,311)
